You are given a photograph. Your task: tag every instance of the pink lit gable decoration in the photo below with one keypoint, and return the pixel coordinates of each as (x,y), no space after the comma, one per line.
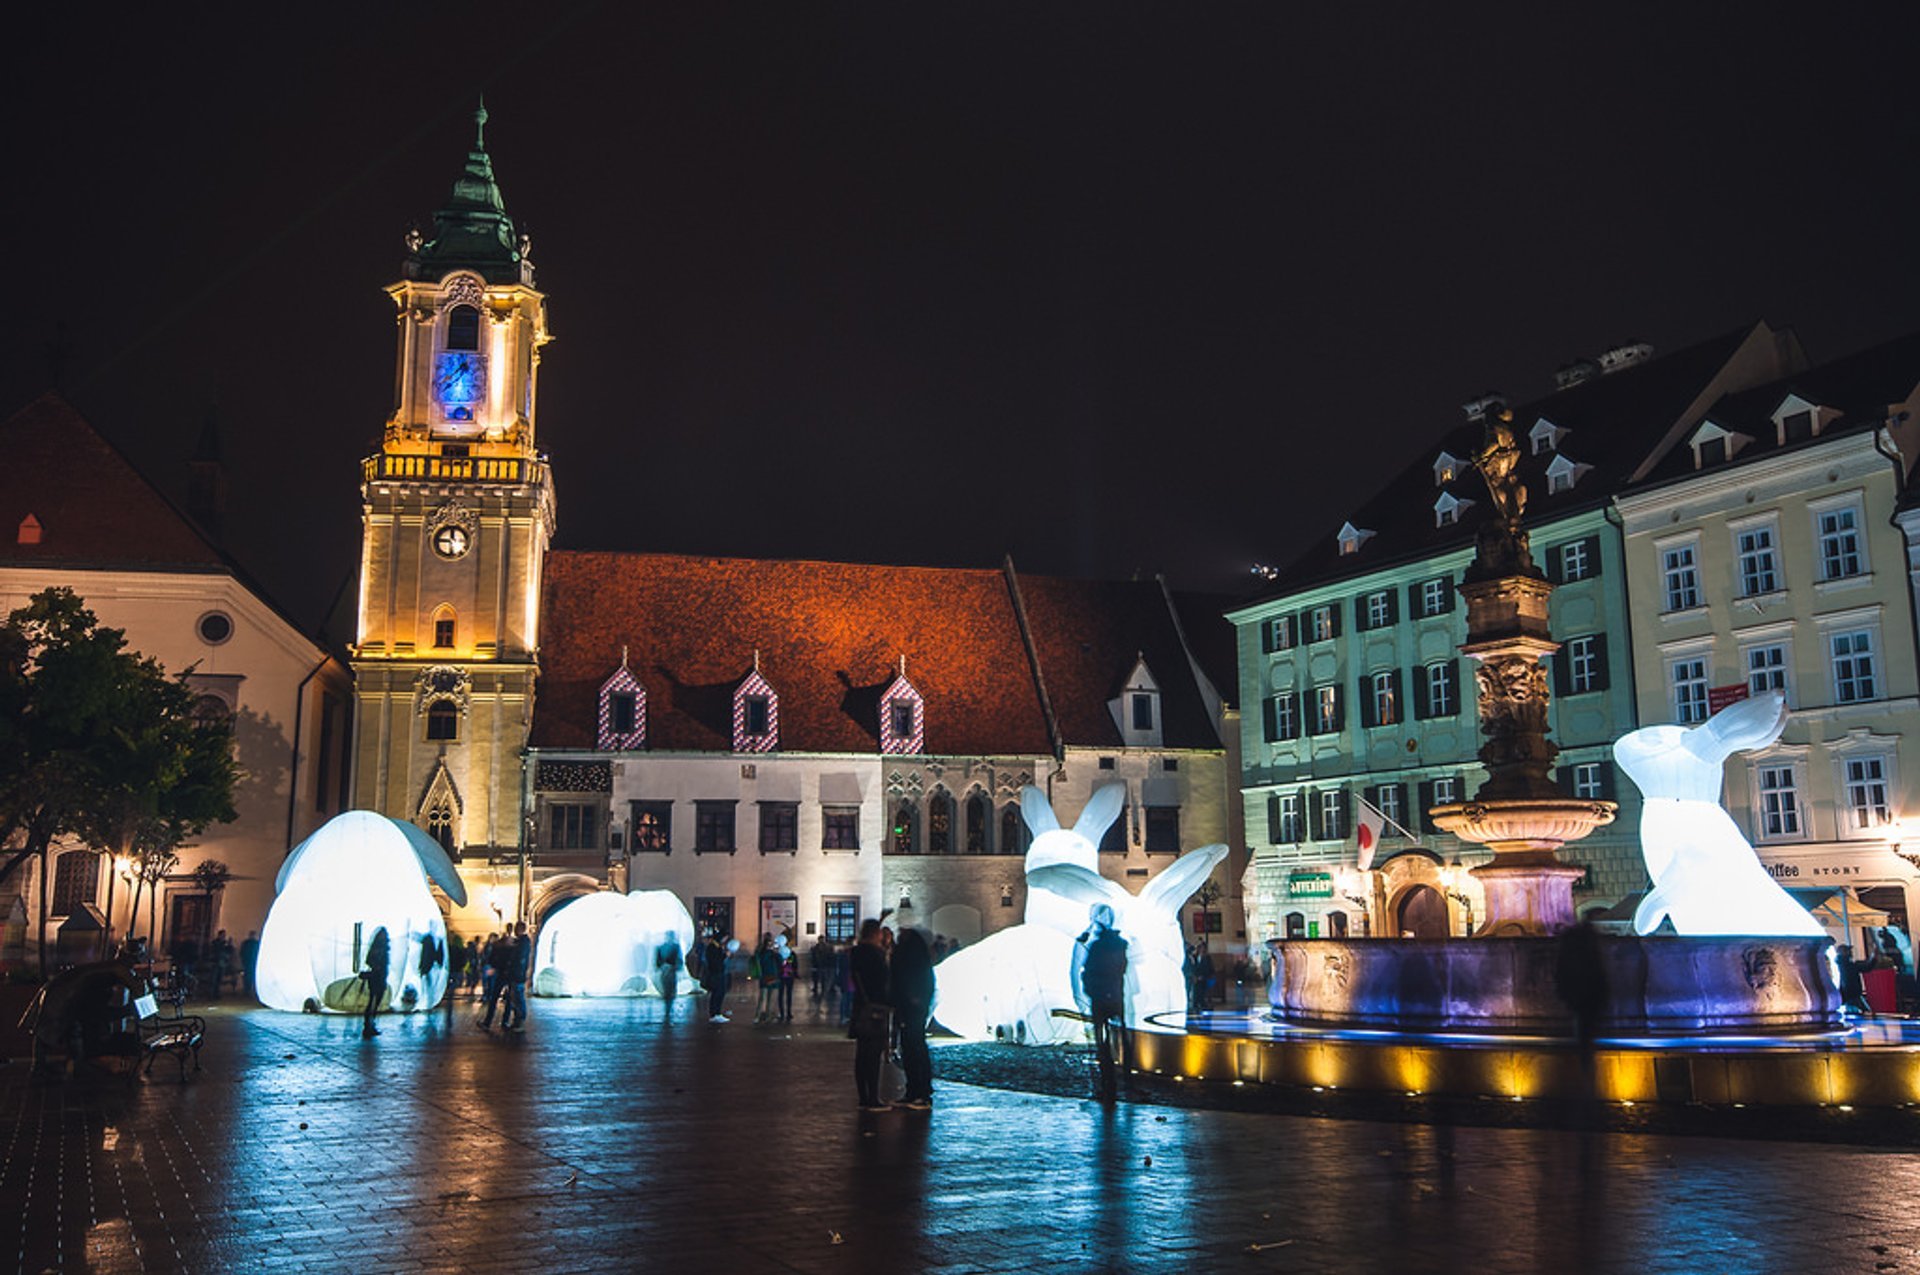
(899,700)
(755,687)
(623,682)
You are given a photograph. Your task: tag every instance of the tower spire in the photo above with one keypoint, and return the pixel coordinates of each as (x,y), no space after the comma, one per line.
(471,230)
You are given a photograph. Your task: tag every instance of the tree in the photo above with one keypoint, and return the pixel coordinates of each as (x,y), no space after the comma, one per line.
(99,742)
(212,876)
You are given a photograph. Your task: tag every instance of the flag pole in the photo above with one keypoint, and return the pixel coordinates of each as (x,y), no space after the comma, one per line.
(1391,823)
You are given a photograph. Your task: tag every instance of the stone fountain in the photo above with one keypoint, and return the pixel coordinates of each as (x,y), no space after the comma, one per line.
(1518,813)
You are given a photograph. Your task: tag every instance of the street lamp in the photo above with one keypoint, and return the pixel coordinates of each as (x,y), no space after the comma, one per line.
(1452,878)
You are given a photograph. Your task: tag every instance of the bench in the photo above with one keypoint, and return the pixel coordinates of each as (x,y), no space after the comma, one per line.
(179,1035)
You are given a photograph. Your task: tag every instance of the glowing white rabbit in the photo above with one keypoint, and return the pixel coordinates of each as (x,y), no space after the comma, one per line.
(1706,877)
(1009,983)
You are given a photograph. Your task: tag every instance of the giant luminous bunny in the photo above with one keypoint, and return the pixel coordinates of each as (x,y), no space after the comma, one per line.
(1706,877)
(1008,984)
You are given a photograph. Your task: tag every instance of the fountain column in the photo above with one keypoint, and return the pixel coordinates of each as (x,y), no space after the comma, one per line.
(1518,813)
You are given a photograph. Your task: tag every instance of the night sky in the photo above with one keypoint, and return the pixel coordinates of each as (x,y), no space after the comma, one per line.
(1109,288)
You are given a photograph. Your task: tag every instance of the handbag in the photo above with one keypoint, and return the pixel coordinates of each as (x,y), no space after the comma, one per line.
(873,1022)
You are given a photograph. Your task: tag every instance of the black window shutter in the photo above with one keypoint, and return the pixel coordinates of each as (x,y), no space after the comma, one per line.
(1273,818)
(1446,595)
(1399,704)
(1271,708)
(1426,799)
(1606,781)
(1555,572)
(1600,663)
(1333,613)
(1339,710)
(1453,681)
(1314,821)
(1346,813)
(1393,606)
(1562,672)
(1266,637)
(1367,715)
(1303,626)
(1371,794)
(1593,555)
(1563,779)
(1422,706)
(1413,599)
(1360,614)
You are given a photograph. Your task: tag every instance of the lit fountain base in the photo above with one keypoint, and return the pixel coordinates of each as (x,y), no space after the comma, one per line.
(1657,986)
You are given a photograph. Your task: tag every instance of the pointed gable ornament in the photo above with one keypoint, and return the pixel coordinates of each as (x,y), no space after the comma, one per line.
(622,723)
(903,716)
(756,713)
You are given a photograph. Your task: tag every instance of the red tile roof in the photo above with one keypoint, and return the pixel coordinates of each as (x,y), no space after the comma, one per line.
(94,508)
(830,637)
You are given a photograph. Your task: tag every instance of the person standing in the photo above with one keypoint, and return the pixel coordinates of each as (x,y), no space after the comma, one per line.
(220,960)
(910,979)
(249,959)
(513,978)
(456,965)
(764,972)
(432,954)
(714,976)
(490,958)
(379,959)
(872,1013)
(820,969)
(789,975)
(1100,970)
(667,959)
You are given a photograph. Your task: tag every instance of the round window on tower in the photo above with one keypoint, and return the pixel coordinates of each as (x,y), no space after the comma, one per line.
(215,627)
(450,542)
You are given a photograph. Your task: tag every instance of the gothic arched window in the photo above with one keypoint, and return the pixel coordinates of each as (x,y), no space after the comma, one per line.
(463,328)
(440,827)
(979,815)
(1013,831)
(903,828)
(939,824)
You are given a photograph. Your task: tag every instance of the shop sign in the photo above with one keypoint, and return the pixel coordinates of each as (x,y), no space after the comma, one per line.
(1718,697)
(1310,885)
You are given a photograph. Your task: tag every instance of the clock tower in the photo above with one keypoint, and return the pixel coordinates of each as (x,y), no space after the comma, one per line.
(457,510)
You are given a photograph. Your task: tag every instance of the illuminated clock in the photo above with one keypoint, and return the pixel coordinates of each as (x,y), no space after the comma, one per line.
(460,380)
(450,542)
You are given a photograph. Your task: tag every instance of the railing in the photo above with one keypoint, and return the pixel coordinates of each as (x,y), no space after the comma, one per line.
(460,469)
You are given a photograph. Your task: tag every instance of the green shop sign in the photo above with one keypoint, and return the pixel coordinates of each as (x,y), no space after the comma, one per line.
(1310,885)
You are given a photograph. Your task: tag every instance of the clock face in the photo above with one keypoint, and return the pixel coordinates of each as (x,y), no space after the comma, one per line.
(460,380)
(450,542)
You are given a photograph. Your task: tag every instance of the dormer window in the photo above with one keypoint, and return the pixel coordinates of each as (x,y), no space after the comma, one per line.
(1446,468)
(1563,472)
(623,712)
(1796,420)
(1714,444)
(1351,538)
(29,533)
(1136,710)
(903,718)
(1545,436)
(756,714)
(1447,509)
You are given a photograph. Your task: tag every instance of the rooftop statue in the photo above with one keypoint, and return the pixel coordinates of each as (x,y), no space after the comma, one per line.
(1502,547)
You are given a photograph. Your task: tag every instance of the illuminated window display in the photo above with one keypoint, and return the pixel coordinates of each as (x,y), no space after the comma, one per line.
(360,872)
(611,945)
(1706,877)
(1008,984)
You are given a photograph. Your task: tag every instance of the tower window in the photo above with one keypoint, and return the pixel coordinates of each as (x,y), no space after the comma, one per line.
(902,720)
(443,631)
(463,328)
(443,721)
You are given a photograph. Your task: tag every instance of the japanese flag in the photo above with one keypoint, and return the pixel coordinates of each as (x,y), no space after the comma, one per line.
(1368,833)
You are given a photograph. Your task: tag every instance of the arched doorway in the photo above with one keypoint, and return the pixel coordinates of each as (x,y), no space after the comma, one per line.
(552,895)
(1422,914)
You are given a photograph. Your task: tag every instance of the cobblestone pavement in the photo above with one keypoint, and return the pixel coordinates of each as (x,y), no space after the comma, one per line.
(609,1139)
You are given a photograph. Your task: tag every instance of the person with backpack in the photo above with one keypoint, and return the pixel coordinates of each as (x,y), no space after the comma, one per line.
(910,979)
(713,976)
(1100,984)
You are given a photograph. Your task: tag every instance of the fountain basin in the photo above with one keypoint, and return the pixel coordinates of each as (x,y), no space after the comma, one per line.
(1660,985)
(1529,826)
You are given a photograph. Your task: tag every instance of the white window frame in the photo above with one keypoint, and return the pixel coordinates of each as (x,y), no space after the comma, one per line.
(1440,689)
(1571,552)
(1779,808)
(1379,608)
(1680,575)
(1544,437)
(1848,675)
(1589,781)
(1433,596)
(1326,708)
(1451,791)
(1756,562)
(1291,829)
(1827,549)
(1390,803)
(1768,674)
(1286,717)
(1283,632)
(1333,820)
(1687,695)
(1320,623)
(1386,704)
(1862,775)
(1583,665)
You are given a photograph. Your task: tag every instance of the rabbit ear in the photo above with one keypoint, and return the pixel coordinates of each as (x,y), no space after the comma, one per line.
(1071,881)
(1170,889)
(1102,809)
(1037,811)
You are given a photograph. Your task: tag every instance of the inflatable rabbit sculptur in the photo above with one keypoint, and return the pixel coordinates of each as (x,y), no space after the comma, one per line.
(1008,984)
(1706,877)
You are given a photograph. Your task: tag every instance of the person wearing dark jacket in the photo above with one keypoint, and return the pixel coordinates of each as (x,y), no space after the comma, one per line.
(911,982)
(867,969)
(379,961)
(518,954)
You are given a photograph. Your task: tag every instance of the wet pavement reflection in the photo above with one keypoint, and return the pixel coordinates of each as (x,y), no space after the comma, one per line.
(609,1139)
